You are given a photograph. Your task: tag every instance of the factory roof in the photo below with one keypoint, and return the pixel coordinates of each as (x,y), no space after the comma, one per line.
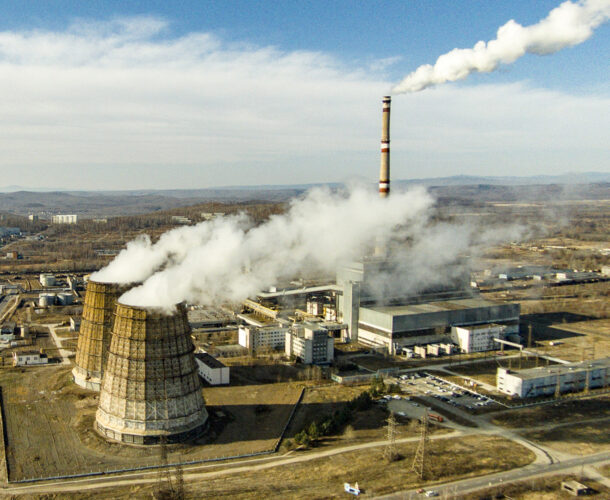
(209,360)
(547,371)
(431,307)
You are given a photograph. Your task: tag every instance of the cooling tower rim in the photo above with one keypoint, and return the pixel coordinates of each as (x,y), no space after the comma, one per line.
(154,309)
(118,284)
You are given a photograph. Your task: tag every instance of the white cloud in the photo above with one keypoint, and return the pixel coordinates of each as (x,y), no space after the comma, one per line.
(121,97)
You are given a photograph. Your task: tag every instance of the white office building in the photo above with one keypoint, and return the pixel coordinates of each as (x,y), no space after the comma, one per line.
(547,380)
(310,343)
(257,337)
(65,219)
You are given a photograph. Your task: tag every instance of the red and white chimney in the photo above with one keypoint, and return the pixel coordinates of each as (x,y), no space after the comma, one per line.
(384,172)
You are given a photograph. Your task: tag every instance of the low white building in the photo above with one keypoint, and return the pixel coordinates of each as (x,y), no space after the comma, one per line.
(310,343)
(544,381)
(257,337)
(477,338)
(211,370)
(64,219)
(29,358)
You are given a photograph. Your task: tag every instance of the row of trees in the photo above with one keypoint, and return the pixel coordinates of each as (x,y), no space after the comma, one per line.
(328,425)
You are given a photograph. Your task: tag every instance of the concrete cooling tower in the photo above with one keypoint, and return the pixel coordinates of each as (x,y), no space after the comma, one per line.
(94,336)
(150,389)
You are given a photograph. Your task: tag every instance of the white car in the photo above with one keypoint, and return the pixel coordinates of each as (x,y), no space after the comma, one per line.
(431,493)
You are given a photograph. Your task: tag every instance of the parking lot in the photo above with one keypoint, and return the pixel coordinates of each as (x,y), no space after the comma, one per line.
(429,385)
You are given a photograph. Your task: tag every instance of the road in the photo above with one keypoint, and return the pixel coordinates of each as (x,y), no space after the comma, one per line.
(548,461)
(197,472)
(62,352)
(532,471)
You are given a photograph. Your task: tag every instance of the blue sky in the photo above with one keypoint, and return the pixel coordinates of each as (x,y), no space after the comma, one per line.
(150,94)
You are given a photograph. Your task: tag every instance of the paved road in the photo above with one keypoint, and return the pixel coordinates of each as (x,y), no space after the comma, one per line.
(62,352)
(196,472)
(524,473)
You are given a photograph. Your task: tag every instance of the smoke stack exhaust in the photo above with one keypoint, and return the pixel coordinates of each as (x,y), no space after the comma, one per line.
(384,172)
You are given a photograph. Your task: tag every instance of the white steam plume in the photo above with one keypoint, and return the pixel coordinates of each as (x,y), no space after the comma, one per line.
(142,258)
(232,260)
(567,25)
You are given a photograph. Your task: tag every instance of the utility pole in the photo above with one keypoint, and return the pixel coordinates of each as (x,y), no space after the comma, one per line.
(558,385)
(390,453)
(587,380)
(419,461)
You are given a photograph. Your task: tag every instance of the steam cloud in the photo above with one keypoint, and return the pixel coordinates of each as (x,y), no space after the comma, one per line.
(230,259)
(567,25)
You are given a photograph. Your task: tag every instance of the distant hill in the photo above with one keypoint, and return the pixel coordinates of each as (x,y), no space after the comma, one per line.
(461,189)
(246,191)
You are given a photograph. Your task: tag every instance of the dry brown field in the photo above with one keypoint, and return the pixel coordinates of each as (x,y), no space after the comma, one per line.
(322,478)
(49,425)
(569,410)
(577,439)
(546,488)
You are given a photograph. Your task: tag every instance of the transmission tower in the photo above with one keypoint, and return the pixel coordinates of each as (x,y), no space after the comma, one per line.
(390,453)
(419,461)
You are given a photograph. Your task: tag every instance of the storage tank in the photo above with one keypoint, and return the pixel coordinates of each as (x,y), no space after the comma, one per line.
(46,299)
(65,298)
(151,391)
(47,279)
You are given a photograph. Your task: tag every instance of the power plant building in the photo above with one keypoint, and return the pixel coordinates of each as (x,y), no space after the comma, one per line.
(393,320)
(151,391)
(310,343)
(478,338)
(260,337)
(548,380)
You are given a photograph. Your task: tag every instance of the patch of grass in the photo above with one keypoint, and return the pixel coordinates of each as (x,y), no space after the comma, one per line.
(563,411)
(578,439)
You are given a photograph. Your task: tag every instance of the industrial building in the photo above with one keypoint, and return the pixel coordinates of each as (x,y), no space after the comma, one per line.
(64,219)
(95,330)
(310,343)
(29,358)
(211,370)
(258,337)
(557,379)
(151,391)
(431,321)
(478,338)
(374,303)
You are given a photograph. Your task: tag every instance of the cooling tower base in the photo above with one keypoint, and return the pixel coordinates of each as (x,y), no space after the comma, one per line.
(86,380)
(127,436)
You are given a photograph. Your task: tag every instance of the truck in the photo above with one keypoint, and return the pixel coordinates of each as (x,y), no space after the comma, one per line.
(434,416)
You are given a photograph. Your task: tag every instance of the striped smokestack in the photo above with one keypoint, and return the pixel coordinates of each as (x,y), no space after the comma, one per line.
(384,172)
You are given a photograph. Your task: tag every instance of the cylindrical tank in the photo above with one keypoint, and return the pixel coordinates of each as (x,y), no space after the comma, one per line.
(46,299)
(151,391)
(95,330)
(65,299)
(47,279)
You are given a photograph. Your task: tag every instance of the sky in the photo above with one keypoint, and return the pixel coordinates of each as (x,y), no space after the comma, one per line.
(196,94)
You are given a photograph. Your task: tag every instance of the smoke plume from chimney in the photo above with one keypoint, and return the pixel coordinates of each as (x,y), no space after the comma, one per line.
(567,25)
